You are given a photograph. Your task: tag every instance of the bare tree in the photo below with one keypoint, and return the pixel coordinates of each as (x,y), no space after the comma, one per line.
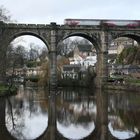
(4,17)
(16,56)
(68,45)
(4,14)
(33,53)
(44,54)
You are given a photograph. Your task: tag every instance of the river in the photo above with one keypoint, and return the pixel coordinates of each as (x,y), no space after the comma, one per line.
(69,114)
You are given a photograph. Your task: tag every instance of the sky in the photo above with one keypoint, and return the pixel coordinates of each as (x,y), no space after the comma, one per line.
(47,11)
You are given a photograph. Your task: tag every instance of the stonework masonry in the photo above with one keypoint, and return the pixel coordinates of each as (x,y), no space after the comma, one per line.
(99,35)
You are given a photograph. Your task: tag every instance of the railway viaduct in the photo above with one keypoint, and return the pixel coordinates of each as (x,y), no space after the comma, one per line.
(99,32)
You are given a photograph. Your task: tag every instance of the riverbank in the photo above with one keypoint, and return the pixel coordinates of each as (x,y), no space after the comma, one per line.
(6,91)
(126,87)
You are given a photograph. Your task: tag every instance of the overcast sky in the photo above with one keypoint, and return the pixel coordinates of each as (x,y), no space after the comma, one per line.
(46,11)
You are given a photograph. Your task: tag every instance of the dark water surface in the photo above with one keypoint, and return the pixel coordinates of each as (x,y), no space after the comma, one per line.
(70,114)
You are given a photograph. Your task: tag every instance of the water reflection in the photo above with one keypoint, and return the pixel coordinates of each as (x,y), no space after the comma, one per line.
(76,113)
(101,129)
(25,112)
(70,114)
(124,111)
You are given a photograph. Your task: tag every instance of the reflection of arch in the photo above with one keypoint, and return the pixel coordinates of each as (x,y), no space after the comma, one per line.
(74,130)
(4,134)
(94,40)
(12,37)
(126,134)
(28,123)
(75,120)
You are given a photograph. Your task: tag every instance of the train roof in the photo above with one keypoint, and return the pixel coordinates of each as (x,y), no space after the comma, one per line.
(97,22)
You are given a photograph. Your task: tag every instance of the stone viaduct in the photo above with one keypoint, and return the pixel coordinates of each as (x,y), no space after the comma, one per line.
(101,33)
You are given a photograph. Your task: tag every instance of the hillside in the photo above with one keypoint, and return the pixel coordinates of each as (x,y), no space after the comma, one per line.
(130,55)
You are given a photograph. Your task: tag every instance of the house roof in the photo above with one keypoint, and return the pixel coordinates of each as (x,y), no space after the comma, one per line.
(74,67)
(128,66)
(71,54)
(85,48)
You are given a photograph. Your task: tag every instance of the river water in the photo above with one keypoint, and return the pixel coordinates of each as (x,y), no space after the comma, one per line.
(70,114)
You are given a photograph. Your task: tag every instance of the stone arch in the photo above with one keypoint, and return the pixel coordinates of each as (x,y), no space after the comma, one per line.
(91,38)
(18,34)
(95,39)
(133,36)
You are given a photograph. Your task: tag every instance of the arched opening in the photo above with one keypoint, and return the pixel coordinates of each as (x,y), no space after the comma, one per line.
(123,116)
(93,40)
(80,52)
(124,69)
(26,57)
(29,34)
(76,59)
(124,55)
(24,112)
(76,115)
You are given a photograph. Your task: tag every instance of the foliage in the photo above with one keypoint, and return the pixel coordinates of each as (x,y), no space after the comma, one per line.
(43,55)
(3,87)
(4,14)
(129,55)
(33,53)
(30,64)
(133,81)
(43,79)
(16,56)
(68,45)
(6,90)
(5,17)
(62,60)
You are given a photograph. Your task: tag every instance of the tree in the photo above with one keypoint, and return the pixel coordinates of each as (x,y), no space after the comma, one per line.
(16,57)
(4,14)
(33,53)
(129,55)
(68,45)
(61,61)
(44,54)
(43,79)
(64,47)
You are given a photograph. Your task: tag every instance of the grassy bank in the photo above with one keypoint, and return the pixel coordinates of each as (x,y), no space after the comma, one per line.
(123,83)
(133,81)
(5,90)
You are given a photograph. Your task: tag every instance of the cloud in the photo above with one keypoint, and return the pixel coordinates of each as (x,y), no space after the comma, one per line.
(46,11)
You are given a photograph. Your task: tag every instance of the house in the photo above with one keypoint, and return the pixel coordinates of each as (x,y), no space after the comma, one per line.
(73,71)
(25,71)
(130,69)
(83,55)
(126,69)
(90,61)
(70,71)
(84,50)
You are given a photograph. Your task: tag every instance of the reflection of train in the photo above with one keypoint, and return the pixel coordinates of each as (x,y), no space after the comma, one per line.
(97,22)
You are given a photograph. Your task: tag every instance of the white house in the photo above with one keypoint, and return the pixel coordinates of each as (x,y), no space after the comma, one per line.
(89,61)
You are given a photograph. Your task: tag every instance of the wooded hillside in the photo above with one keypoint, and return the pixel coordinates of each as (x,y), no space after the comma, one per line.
(130,55)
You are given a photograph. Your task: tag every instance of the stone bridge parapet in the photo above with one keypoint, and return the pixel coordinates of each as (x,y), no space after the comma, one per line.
(100,34)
